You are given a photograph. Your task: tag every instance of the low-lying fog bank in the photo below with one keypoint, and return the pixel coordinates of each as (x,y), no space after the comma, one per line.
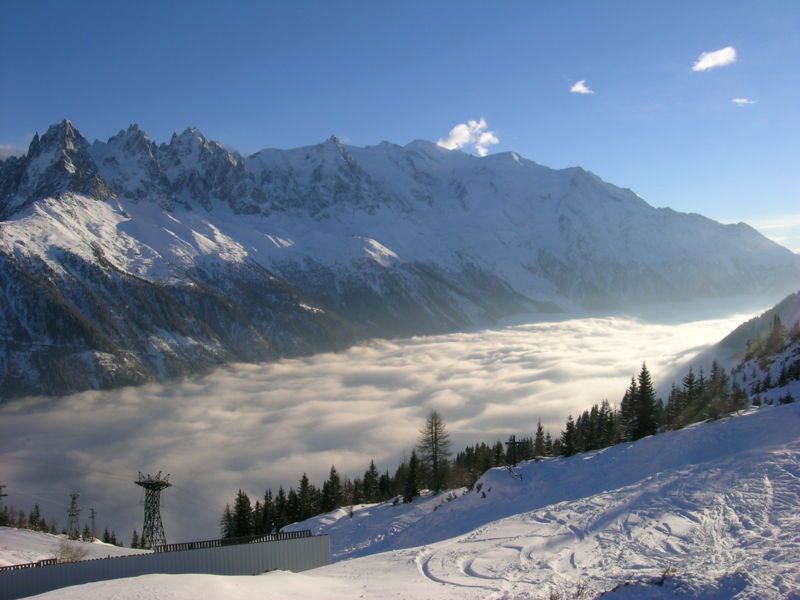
(253,426)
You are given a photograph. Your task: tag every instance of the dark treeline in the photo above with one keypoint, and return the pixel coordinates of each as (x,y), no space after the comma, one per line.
(36,521)
(33,519)
(428,467)
(432,466)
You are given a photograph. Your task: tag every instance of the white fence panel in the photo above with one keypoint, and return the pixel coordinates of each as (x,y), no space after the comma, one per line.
(243,559)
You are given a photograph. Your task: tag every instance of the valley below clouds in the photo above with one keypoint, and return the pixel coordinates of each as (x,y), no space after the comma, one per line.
(253,426)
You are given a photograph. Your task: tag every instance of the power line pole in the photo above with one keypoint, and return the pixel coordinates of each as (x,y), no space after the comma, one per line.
(73,526)
(92,514)
(153,529)
(513,445)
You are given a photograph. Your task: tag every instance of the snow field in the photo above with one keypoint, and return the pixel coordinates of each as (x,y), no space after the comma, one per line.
(18,546)
(715,503)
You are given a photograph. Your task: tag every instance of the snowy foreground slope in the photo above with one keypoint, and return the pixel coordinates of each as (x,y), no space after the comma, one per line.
(716,503)
(19,546)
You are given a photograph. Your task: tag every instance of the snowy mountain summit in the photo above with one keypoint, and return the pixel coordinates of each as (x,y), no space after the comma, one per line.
(126,261)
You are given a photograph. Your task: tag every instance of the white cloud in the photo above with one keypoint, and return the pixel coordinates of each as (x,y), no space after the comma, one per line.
(263,425)
(742,101)
(474,133)
(717,58)
(580,87)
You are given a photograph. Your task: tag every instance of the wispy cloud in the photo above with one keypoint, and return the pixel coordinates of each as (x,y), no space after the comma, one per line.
(472,133)
(252,426)
(742,101)
(580,87)
(7,150)
(783,229)
(717,58)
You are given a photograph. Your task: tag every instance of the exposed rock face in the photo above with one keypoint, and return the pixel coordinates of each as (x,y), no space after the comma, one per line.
(126,261)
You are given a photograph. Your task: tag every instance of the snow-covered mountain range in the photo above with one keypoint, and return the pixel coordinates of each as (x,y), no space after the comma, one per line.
(126,261)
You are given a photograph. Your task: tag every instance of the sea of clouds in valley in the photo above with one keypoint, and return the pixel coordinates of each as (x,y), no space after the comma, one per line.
(252,426)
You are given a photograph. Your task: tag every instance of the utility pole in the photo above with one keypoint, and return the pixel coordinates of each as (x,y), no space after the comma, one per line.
(92,515)
(513,444)
(73,526)
(153,530)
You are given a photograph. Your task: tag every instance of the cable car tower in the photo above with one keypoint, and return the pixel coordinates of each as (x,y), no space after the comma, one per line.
(153,529)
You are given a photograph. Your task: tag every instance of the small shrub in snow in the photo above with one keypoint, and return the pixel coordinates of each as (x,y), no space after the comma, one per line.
(68,552)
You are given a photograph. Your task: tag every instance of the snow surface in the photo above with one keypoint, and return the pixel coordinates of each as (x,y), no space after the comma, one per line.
(716,503)
(19,546)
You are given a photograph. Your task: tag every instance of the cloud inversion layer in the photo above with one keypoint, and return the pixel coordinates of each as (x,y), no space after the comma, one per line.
(253,426)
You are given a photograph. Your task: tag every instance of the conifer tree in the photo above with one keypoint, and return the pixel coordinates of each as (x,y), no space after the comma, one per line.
(628,412)
(609,424)
(669,409)
(384,486)
(86,534)
(292,506)
(258,519)
(690,397)
(548,445)
(646,406)
(371,477)
(226,523)
(538,441)
(411,490)
(332,491)
(304,499)
(434,449)
(281,509)
(268,516)
(794,332)
(357,490)
(498,454)
(568,438)
(399,479)
(135,539)
(738,398)
(776,340)
(242,515)
(35,518)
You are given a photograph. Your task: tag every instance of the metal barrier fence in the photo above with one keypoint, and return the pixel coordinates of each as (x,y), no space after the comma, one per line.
(38,563)
(290,553)
(250,539)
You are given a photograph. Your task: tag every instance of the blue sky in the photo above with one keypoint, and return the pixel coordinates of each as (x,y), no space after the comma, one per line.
(259,74)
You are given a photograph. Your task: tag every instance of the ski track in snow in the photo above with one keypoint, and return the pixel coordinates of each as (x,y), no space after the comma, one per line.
(716,503)
(703,528)
(726,526)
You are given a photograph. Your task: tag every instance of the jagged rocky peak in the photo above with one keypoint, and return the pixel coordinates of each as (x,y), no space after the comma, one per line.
(129,163)
(62,139)
(132,139)
(57,162)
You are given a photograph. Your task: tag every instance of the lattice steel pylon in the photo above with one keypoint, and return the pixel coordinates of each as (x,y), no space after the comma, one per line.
(153,529)
(73,525)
